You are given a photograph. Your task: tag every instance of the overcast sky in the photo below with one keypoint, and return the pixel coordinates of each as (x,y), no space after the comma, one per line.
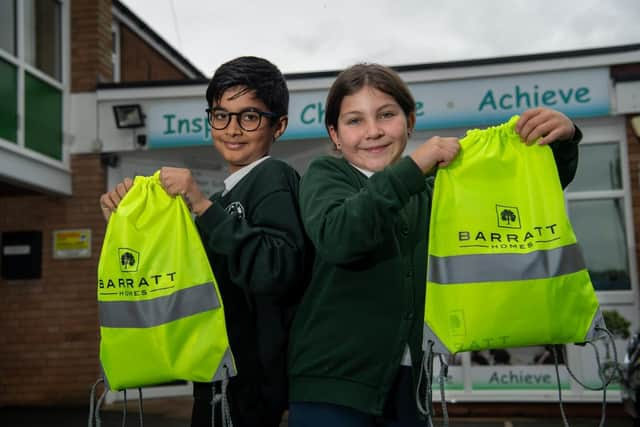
(317,35)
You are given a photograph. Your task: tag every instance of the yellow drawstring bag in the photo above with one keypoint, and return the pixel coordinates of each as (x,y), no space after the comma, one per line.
(161,314)
(504,267)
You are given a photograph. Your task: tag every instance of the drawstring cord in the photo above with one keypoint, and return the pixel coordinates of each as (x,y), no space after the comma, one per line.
(94,407)
(140,413)
(555,362)
(226,411)
(426,367)
(98,406)
(215,399)
(92,401)
(124,408)
(605,381)
(442,377)
(221,399)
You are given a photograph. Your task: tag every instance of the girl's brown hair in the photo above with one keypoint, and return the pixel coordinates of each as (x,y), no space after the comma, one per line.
(358,76)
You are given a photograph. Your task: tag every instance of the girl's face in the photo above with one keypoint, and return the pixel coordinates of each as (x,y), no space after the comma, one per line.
(372,129)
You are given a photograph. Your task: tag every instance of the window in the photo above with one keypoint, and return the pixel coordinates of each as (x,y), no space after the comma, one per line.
(9,103)
(115,51)
(31,82)
(43,36)
(518,368)
(599,225)
(8,26)
(596,204)
(599,168)
(43,117)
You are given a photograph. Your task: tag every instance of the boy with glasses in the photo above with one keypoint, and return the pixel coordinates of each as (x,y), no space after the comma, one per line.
(253,236)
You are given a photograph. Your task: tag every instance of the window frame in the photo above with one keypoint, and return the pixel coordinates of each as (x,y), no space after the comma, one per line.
(26,36)
(115,50)
(22,67)
(612,131)
(15,31)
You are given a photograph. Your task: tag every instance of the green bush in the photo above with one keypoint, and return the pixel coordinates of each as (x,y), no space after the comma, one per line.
(616,323)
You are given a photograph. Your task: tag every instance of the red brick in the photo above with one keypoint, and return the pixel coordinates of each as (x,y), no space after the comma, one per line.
(51,355)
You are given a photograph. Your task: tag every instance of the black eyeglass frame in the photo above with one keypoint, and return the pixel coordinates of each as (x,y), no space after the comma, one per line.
(260,114)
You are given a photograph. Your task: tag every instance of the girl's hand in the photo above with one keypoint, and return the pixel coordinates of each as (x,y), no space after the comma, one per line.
(545,123)
(436,151)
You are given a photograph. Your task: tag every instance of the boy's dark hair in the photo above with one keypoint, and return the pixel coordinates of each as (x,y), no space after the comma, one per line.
(256,74)
(358,76)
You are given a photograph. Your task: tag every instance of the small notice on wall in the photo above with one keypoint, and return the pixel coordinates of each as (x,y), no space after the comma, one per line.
(72,243)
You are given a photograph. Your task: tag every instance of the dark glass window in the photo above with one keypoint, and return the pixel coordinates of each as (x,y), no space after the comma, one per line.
(43,36)
(8,26)
(599,225)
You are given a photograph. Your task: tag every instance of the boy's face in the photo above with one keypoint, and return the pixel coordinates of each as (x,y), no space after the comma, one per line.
(237,146)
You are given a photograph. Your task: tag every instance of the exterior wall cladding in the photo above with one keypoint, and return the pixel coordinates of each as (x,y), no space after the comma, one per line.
(50,328)
(632,72)
(634,170)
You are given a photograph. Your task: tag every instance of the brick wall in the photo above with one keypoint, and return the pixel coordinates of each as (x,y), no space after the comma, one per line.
(90,44)
(633,144)
(139,62)
(49,326)
(631,72)
(50,334)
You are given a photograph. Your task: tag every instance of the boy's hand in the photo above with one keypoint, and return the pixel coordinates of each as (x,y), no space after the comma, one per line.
(109,201)
(545,123)
(179,181)
(436,151)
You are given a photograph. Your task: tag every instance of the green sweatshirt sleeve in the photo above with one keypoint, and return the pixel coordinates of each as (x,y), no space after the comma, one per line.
(347,216)
(565,154)
(265,253)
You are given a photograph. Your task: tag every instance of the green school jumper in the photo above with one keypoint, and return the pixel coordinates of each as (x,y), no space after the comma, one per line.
(366,298)
(261,257)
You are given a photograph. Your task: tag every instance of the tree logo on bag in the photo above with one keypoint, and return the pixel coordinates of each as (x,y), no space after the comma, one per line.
(508,216)
(128,259)
(456,323)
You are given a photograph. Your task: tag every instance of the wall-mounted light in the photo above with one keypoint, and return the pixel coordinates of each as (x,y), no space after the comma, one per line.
(635,125)
(128,116)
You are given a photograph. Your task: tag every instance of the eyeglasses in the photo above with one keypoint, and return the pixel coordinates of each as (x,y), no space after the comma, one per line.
(249,119)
